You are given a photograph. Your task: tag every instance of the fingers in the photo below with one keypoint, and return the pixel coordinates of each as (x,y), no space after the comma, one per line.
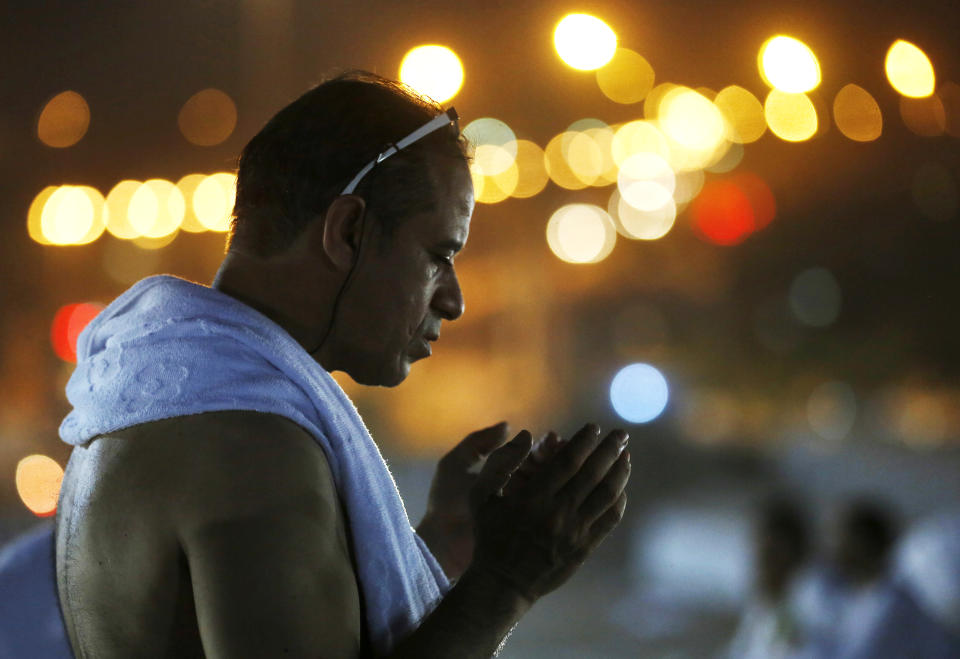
(476,446)
(500,466)
(608,491)
(547,447)
(595,468)
(568,460)
(607,523)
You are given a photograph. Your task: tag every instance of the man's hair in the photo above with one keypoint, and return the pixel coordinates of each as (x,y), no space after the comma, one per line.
(291,171)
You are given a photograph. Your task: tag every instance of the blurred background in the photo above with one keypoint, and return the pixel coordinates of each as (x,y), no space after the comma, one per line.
(731,228)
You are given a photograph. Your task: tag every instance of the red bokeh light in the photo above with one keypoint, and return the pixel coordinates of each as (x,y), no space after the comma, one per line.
(761,198)
(67,324)
(722,213)
(726,212)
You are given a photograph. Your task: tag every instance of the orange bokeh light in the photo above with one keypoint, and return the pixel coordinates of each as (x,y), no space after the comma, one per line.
(67,324)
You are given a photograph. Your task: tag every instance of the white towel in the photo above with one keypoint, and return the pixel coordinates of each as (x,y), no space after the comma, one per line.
(168,347)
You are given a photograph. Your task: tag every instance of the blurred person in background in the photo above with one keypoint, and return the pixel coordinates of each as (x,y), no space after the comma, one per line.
(224,498)
(770,627)
(857,608)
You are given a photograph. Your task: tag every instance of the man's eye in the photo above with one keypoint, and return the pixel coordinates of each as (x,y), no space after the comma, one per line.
(445,258)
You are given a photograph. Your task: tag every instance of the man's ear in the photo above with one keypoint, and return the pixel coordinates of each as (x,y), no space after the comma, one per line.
(342,226)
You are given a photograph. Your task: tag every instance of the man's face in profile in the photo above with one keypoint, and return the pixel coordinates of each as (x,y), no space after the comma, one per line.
(405,285)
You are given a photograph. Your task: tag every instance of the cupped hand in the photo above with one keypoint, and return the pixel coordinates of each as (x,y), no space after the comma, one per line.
(447,526)
(534,536)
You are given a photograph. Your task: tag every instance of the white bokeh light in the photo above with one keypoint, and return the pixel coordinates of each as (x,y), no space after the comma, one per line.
(639,393)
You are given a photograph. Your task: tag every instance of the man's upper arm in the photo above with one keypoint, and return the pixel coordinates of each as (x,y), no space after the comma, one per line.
(263,535)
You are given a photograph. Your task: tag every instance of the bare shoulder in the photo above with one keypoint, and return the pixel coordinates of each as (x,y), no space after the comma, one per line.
(225,463)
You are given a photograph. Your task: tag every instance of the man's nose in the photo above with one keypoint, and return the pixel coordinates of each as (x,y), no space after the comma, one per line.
(448,299)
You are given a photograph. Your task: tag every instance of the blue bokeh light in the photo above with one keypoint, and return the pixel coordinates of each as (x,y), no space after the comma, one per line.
(639,393)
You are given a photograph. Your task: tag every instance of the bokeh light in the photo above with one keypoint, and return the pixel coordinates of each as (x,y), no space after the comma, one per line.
(433,70)
(496,188)
(639,393)
(64,120)
(156,209)
(581,233)
(909,70)
(494,145)
(555,162)
(626,78)
(38,480)
(646,181)
(743,113)
(637,224)
(35,214)
(935,192)
(689,118)
(722,213)
(116,211)
(208,117)
(729,161)
(815,297)
(72,215)
(187,185)
(638,137)
(584,42)
(688,185)
(532,175)
(832,410)
(67,324)
(926,117)
(791,117)
(789,65)
(213,201)
(857,114)
(760,195)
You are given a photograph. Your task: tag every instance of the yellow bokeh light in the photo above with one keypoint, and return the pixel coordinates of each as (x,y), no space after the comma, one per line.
(690,119)
(35,213)
(728,161)
(926,116)
(789,65)
(433,71)
(584,42)
(208,117)
(626,78)
(156,209)
(637,224)
(38,480)
(791,117)
(68,216)
(584,157)
(909,70)
(497,187)
(98,225)
(213,201)
(556,164)
(187,185)
(743,112)
(651,104)
(64,120)
(531,170)
(857,114)
(638,137)
(116,211)
(147,243)
(494,145)
(581,233)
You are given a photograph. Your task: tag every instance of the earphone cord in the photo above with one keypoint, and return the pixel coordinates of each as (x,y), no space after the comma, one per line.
(346,283)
